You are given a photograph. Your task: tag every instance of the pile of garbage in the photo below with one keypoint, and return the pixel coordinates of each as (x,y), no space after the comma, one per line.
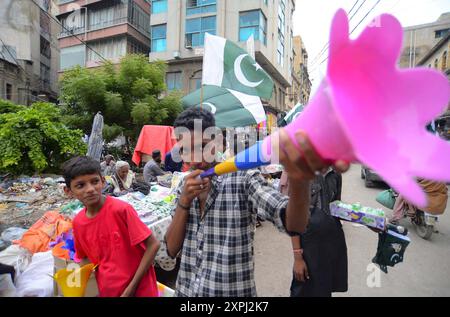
(29,260)
(24,200)
(22,197)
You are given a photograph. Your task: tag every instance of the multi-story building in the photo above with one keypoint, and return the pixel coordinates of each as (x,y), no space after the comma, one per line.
(418,40)
(301,85)
(178,30)
(29,53)
(94,30)
(438,58)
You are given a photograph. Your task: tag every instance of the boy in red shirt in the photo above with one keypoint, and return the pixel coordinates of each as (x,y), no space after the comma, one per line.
(109,233)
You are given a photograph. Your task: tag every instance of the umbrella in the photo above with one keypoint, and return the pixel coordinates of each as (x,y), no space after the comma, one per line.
(230,108)
(95,145)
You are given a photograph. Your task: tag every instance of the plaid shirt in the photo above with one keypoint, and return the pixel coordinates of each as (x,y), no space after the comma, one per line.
(217,254)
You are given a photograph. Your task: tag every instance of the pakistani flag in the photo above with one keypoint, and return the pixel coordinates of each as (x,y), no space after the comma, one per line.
(230,108)
(291,115)
(227,65)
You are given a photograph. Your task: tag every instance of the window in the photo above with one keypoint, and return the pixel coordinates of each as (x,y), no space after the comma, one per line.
(107,16)
(281,96)
(173,81)
(281,16)
(281,27)
(45,74)
(139,18)
(444,61)
(253,22)
(45,47)
(109,49)
(159,6)
(8,91)
(135,47)
(266,2)
(441,33)
(71,56)
(200,6)
(280,50)
(159,38)
(196,29)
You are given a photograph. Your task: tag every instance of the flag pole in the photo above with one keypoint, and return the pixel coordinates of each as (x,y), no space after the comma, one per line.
(201,97)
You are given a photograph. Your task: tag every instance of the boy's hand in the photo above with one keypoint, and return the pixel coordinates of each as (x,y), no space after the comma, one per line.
(193,187)
(300,270)
(301,166)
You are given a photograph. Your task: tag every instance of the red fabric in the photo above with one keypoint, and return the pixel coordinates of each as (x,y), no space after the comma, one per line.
(114,240)
(153,137)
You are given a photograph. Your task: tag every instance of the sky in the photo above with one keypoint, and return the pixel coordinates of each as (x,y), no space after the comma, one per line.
(312,20)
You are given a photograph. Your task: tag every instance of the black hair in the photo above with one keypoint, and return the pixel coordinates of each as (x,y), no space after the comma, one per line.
(156,153)
(187,117)
(79,166)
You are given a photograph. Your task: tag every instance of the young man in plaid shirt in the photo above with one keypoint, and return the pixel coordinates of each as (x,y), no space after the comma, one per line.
(214,219)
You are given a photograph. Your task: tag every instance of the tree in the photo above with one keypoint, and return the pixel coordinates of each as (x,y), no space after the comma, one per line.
(129,96)
(33,139)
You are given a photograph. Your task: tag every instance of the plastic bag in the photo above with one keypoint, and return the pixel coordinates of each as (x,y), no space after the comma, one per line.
(37,280)
(16,256)
(7,288)
(13,233)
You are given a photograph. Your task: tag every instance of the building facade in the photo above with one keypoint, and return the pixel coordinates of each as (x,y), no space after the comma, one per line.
(418,40)
(178,29)
(29,53)
(110,28)
(301,85)
(438,58)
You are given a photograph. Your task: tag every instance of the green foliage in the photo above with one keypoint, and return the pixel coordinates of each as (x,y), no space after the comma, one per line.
(34,140)
(8,107)
(128,95)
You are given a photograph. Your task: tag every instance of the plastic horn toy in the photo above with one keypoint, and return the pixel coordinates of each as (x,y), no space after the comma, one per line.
(73,282)
(368,110)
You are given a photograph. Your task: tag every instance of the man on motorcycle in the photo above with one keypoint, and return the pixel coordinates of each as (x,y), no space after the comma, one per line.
(437,195)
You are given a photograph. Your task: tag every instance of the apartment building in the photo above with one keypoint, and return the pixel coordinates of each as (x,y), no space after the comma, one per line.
(110,28)
(178,30)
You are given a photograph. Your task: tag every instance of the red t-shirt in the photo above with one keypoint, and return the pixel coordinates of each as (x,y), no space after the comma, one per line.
(114,240)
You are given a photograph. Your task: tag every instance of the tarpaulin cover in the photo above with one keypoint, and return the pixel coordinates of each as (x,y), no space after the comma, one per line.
(153,137)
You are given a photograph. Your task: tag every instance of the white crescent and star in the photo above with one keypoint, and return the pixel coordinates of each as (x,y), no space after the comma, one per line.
(240,75)
(213,108)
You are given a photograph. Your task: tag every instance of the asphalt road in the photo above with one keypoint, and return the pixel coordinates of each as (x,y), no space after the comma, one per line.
(424,272)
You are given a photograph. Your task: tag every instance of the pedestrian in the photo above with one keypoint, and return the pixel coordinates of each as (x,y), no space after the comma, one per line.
(152,168)
(123,179)
(108,165)
(214,219)
(110,234)
(170,165)
(320,253)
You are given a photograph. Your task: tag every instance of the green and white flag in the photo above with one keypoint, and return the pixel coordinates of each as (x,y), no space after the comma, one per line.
(291,115)
(230,108)
(227,65)
(294,113)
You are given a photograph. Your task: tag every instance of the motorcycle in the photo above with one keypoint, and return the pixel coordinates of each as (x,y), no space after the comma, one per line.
(424,223)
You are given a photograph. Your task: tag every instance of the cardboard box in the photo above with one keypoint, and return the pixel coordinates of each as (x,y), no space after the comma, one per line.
(358,214)
(91,289)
